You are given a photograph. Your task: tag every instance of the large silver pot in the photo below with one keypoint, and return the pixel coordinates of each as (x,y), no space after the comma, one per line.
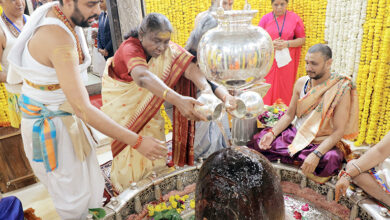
(235,53)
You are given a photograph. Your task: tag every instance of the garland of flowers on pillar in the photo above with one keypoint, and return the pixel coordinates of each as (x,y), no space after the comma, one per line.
(168,124)
(181,14)
(4,120)
(344,15)
(373,77)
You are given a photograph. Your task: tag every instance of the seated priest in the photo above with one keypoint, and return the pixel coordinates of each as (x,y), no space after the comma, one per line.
(325,106)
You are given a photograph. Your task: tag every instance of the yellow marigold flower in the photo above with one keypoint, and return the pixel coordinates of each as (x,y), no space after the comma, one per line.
(164,206)
(192,204)
(179,210)
(158,208)
(276,110)
(174,204)
(177,197)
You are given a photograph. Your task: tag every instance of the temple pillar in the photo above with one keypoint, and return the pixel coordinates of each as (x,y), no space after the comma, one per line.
(124,15)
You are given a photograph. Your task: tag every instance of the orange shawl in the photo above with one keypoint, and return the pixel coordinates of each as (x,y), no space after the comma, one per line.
(319,104)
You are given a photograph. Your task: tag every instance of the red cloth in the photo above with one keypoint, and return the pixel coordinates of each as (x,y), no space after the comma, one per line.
(96,100)
(129,55)
(282,79)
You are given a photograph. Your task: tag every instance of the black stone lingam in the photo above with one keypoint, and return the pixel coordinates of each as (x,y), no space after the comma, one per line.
(238,183)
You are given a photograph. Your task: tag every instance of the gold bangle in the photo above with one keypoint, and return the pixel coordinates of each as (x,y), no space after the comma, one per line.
(165,93)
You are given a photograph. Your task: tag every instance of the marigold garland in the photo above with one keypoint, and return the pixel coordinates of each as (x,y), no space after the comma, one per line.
(373,76)
(181,14)
(168,124)
(4,119)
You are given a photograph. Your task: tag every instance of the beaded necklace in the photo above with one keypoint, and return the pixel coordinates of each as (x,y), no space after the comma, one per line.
(65,20)
(11,25)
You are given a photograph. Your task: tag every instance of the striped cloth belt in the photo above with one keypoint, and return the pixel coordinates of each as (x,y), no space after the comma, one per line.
(44,131)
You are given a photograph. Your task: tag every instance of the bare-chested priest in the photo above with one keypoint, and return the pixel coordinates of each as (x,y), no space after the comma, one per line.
(51,56)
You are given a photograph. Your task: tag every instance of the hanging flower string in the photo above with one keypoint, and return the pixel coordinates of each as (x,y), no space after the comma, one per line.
(4,119)
(373,78)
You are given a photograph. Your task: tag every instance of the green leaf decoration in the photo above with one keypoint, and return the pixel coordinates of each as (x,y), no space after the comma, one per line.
(97,213)
(170,214)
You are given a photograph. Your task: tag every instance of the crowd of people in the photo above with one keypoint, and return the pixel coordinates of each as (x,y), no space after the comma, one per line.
(48,100)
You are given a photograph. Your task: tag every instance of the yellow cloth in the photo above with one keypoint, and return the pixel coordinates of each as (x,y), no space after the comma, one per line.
(14,114)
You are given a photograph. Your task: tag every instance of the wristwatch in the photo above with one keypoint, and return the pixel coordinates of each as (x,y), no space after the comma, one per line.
(318,154)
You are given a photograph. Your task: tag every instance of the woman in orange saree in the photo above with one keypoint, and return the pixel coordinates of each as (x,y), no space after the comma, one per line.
(147,70)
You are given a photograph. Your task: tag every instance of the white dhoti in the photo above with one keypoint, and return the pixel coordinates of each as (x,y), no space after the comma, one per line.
(74,186)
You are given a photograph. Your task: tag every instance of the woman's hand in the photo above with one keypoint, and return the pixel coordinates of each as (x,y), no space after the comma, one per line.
(186,106)
(341,188)
(152,148)
(266,141)
(280,44)
(230,102)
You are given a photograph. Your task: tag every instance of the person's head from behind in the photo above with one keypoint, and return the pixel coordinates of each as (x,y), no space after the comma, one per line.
(13,8)
(238,183)
(84,12)
(318,61)
(226,4)
(279,7)
(206,23)
(154,33)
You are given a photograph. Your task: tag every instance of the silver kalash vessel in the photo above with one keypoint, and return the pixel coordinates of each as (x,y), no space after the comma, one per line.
(238,55)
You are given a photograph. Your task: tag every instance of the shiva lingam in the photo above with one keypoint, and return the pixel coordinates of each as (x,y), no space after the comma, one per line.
(237,55)
(238,183)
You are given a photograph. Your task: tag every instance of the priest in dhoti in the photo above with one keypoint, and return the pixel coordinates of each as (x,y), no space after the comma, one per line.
(57,113)
(147,70)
